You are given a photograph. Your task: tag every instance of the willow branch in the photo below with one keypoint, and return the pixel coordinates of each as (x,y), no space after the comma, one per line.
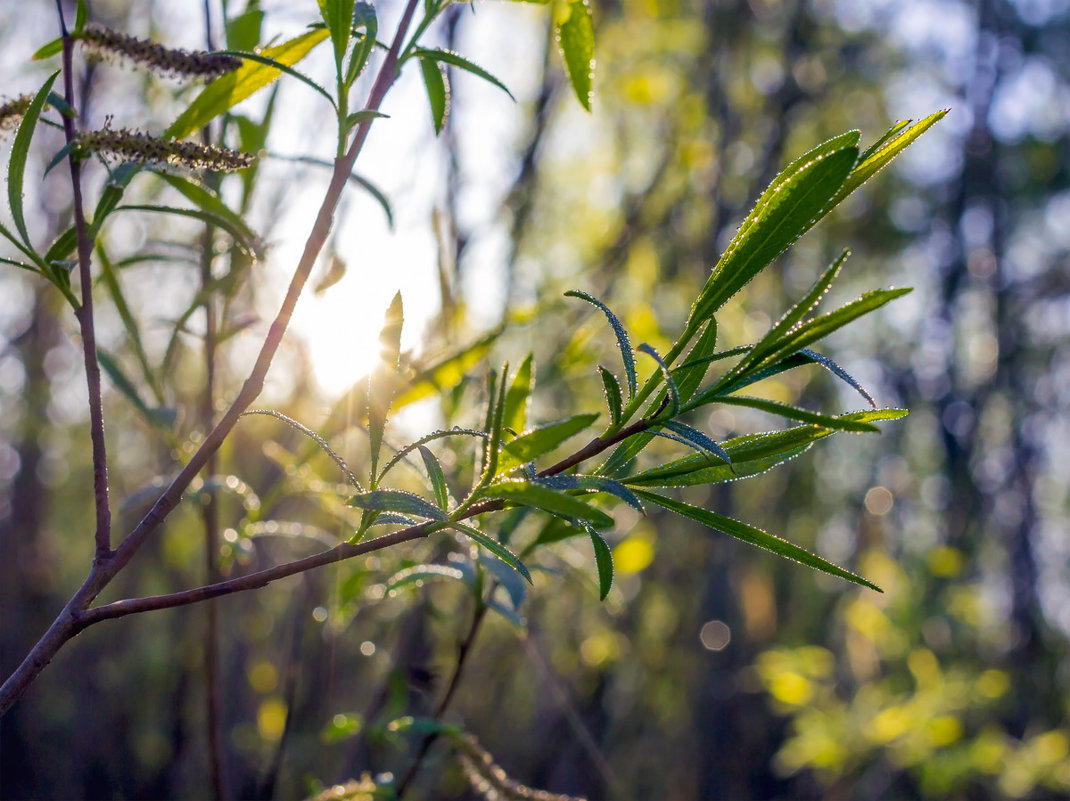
(84,314)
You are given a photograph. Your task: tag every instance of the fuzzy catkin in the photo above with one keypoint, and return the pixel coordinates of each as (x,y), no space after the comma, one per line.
(101,41)
(12,112)
(127,145)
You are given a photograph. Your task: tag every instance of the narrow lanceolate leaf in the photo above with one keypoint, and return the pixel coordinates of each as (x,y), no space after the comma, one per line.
(227,91)
(437,477)
(611,388)
(421,573)
(209,201)
(775,224)
(795,413)
(523,493)
(493,546)
(110,278)
(623,342)
(603,559)
(459,61)
(338,14)
(363,18)
(495,411)
(518,397)
(508,578)
(160,418)
(575,37)
(673,407)
(438,92)
(230,222)
(542,440)
(755,536)
(802,358)
(697,439)
(751,454)
(391,500)
(382,383)
(20,150)
(593,484)
(452,432)
(794,314)
(887,148)
(689,375)
(820,327)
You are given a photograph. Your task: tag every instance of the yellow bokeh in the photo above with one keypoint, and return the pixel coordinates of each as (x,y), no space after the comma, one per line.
(993,683)
(263,677)
(271,719)
(633,554)
(945,561)
(791,688)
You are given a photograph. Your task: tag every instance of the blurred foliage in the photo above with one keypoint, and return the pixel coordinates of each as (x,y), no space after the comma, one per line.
(949,685)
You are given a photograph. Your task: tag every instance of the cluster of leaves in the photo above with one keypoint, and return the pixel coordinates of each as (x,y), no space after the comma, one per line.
(515,468)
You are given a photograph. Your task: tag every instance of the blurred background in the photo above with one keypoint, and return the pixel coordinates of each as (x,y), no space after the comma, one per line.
(712,670)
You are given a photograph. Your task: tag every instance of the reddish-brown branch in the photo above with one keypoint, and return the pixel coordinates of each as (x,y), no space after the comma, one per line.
(84,314)
(108,564)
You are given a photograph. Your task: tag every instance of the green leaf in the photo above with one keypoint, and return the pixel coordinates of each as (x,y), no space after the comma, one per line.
(438,478)
(887,148)
(755,536)
(341,727)
(689,375)
(391,500)
(751,454)
(229,222)
(795,413)
(574,29)
(453,432)
(697,439)
(338,14)
(518,398)
(459,61)
(524,493)
(603,558)
(802,358)
(133,332)
(312,435)
(383,382)
(820,327)
(438,92)
(363,18)
(516,589)
(542,440)
(786,211)
(493,546)
(794,314)
(210,202)
(160,417)
(81,16)
(593,484)
(420,573)
(20,149)
(53,48)
(260,70)
(357,117)
(243,31)
(622,336)
(670,383)
(611,388)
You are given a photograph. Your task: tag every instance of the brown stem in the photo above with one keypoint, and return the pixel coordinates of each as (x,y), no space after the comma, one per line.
(463,650)
(84,314)
(213,694)
(70,620)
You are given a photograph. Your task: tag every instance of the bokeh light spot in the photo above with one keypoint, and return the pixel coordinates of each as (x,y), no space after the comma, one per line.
(715,635)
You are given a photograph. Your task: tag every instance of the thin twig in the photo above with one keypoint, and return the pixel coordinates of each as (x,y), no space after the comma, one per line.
(70,620)
(210,509)
(84,314)
(463,650)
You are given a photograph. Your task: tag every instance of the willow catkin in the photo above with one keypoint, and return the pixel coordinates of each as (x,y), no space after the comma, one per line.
(102,42)
(127,145)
